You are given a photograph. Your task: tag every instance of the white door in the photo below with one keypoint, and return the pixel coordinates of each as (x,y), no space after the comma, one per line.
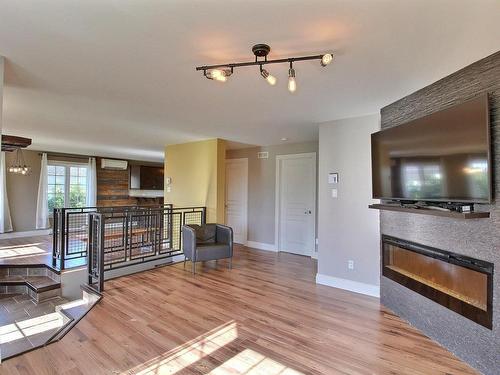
(237,197)
(296,203)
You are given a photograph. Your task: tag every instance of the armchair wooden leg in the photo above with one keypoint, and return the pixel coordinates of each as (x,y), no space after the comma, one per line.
(230,263)
(193,266)
(185,262)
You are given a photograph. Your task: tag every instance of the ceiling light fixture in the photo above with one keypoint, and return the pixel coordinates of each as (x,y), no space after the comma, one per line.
(221,72)
(19,166)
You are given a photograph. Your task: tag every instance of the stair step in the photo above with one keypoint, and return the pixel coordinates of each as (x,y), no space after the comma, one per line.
(38,324)
(39,288)
(35,283)
(78,309)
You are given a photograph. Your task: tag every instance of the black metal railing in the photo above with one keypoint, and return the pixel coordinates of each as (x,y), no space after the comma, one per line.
(70,231)
(118,239)
(131,234)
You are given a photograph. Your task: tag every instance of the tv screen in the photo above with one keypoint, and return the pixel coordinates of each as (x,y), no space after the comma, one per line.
(444,156)
(145,177)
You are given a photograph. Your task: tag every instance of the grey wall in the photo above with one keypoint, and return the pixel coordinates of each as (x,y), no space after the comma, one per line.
(23,191)
(262,184)
(478,238)
(347,228)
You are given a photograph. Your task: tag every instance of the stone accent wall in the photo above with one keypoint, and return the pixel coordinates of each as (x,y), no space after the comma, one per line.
(479,238)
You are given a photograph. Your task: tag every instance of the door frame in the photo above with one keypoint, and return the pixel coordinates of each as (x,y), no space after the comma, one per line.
(277,207)
(243,162)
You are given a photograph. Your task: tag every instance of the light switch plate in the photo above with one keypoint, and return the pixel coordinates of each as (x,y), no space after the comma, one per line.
(333,178)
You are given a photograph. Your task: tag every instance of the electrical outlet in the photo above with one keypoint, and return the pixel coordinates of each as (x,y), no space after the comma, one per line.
(350,264)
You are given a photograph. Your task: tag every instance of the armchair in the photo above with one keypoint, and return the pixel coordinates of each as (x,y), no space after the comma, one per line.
(206,242)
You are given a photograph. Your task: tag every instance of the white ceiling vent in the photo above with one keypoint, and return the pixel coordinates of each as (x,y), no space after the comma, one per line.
(114,164)
(263,155)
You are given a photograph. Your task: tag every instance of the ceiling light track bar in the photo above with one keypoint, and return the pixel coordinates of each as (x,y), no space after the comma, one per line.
(221,72)
(262,62)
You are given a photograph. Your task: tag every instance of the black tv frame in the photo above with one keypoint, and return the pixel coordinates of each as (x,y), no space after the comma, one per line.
(490,198)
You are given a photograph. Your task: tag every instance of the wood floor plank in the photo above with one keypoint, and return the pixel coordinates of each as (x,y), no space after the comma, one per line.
(266,315)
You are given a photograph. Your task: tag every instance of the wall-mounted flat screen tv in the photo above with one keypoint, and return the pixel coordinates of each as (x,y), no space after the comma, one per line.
(444,156)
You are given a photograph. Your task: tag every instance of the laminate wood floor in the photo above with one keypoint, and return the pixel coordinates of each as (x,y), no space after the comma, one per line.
(36,250)
(265,316)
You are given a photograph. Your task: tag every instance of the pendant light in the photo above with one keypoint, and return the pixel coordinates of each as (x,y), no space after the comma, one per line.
(19,166)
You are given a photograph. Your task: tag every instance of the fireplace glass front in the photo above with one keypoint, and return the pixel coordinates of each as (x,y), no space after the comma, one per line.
(459,283)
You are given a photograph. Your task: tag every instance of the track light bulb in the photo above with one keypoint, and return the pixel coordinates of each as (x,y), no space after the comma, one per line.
(269,78)
(326,59)
(292,85)
(218,74)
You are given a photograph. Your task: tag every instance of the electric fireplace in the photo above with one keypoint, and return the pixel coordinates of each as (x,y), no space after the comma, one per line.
(460,283)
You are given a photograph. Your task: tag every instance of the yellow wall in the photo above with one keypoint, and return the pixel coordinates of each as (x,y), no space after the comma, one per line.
(197,170)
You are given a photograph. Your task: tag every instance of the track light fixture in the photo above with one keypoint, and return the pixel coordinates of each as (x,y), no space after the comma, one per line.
(221,72)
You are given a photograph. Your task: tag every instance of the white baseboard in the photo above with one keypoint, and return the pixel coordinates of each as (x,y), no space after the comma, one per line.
(178,258)
(262,246)
(30,233)
(352,286)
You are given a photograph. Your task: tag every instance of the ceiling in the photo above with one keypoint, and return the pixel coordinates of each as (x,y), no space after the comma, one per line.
(117,78)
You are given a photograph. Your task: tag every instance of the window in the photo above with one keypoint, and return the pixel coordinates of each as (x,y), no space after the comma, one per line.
(67,185)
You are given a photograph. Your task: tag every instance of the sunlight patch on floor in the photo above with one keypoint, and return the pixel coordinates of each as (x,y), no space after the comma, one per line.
(189,353)
(30,327)
(247,362)
(250,362)
(21,252)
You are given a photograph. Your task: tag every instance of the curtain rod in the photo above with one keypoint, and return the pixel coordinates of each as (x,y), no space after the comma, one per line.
(62,155)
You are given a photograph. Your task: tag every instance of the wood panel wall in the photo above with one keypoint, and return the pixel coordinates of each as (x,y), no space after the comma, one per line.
(112,187)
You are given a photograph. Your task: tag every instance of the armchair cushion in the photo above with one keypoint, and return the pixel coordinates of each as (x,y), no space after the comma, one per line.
(205,234)
(212,252)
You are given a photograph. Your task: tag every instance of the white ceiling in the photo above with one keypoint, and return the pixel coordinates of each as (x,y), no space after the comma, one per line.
(117,77)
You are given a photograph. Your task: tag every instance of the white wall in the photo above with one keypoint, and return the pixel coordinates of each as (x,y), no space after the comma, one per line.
(2,63)
(347,228)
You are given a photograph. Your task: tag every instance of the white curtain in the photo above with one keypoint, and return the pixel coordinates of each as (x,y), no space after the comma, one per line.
(91,183)
(42,205)
(5,219)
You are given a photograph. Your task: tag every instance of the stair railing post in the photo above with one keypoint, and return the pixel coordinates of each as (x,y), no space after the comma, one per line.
(101,253)
(55,235)
(90,249)
(65,237)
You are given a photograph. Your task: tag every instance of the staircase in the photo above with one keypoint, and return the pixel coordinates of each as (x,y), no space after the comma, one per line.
(32,311)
